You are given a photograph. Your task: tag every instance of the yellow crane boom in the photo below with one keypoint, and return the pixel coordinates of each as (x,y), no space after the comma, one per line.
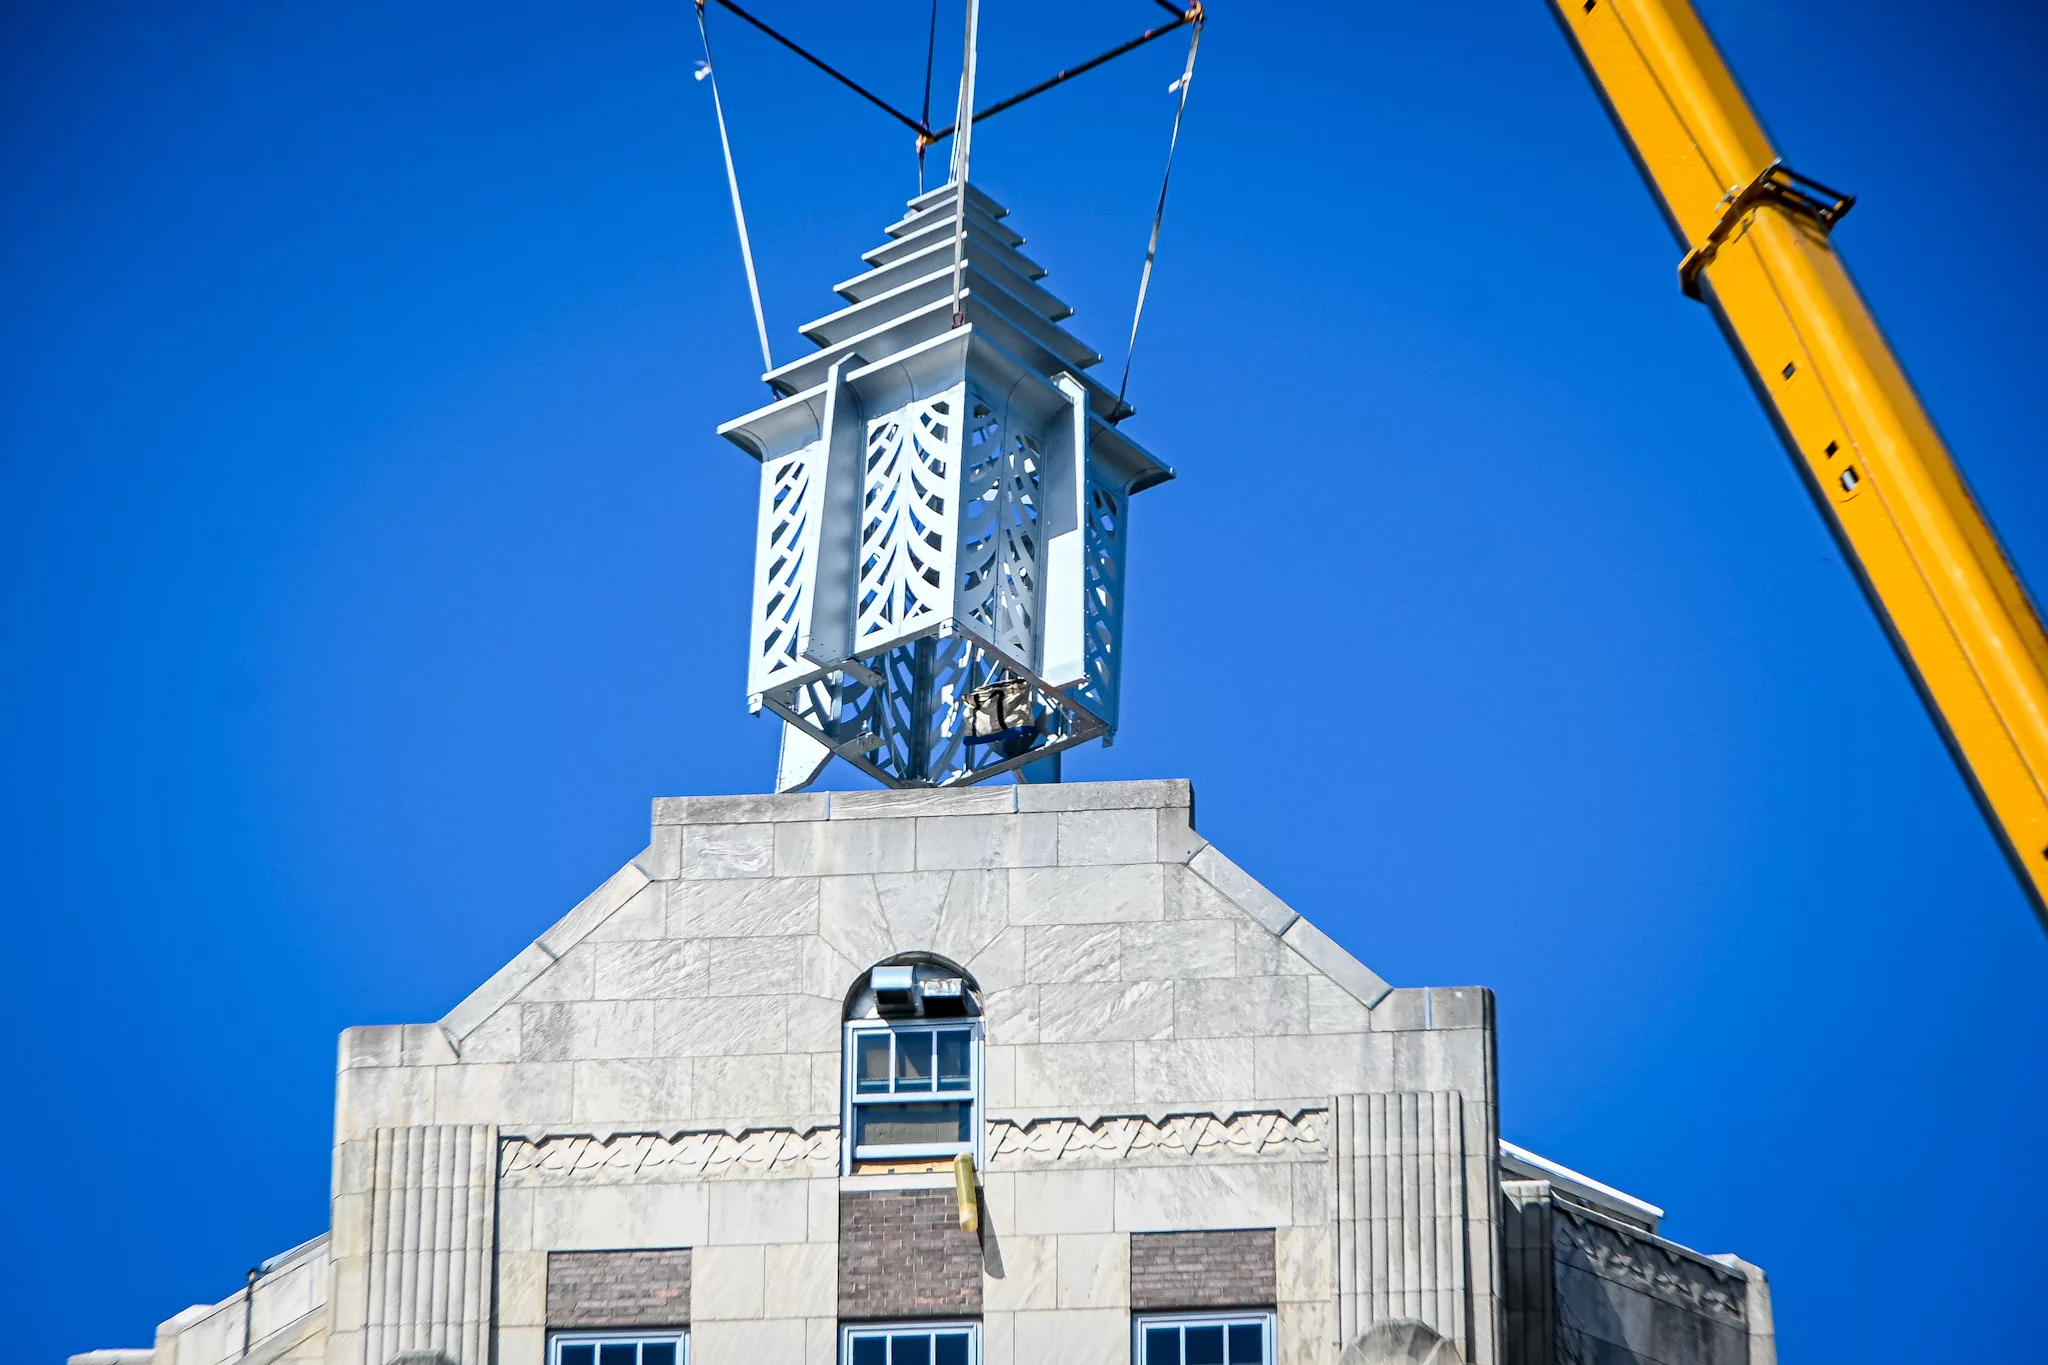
(1757,252)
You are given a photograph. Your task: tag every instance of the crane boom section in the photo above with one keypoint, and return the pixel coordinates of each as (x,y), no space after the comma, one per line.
(1757,252)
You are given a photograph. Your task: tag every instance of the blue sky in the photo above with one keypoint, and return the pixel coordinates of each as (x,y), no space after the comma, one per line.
(369,563)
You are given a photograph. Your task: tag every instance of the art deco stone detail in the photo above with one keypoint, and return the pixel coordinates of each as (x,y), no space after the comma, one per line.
(1644,1265)
(1177,1137)
(628,1157)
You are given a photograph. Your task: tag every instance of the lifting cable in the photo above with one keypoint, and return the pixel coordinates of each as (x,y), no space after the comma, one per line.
(924,111)
(732,180)
(1187,78)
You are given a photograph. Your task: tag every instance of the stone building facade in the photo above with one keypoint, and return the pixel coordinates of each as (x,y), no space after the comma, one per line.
(999,1074)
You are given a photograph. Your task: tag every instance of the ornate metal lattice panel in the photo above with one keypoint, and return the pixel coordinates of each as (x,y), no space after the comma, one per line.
(786,546)
(910,492)
(1104,600)
(1002,489)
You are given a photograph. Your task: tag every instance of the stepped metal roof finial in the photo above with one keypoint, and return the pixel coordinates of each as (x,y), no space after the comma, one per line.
(944,515)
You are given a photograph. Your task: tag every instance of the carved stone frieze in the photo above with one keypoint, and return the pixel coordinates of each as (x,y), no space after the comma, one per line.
(1266,1135)
(1648,1266)
(625,1158)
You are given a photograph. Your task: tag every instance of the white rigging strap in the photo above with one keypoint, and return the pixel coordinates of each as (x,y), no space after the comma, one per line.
(1187,78)
(732,181)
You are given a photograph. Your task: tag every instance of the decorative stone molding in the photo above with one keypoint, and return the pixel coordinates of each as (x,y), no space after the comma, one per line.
(1176,1137)
(626,1158)
(1649,1266)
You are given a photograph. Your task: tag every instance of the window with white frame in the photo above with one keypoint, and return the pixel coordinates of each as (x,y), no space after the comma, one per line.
(619,1348)
(1203,1339)
(924,1343)
(913,1089)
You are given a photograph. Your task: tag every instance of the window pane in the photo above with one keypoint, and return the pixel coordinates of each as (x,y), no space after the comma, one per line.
(1205,1345)
(954,1059)
(914,1061)
(1162,1346)
(657,1353)
(618,1353)
(910,1350)
(870,1351)
(905,1125)
(579,1355)
(872,1065)
(949,1348)
(1247,1343)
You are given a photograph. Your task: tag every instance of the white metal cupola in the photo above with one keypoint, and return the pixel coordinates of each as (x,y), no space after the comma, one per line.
(939,571)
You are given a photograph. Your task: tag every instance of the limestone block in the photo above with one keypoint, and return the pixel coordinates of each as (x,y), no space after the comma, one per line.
(897,805)
(1010,1017)
(911,903)
(744,1212)
(383,1097)
(1262,953)
(662,859)
(837,848)
(505,1092)
(821,1341)
(1094,1270)
(825,973)
(1240,1007)
(976,911)
(1303,1334)
(999,1338)
(1057,1203)
(753,1088)
(999,1076)
(1303,1270)
(522,1289)
(722,1026)
(1324,954)
(586,1030)
(515,1220)
(629,1091)
(813,1023)
(999,1202)
(1093,1336)
(1315,1190)
(594,910)
(802,1279)
(949,842)
(643,917)
(1188,1197)
(825,1092)
(745,908)
(503,986)
(1242,890)
(1030,1277)
(1175,837)
(1053,1076)
(740,810)
(568,977)
(1402,1009)
(823,1211)
(850,919)
(496,1039)
(1175,793)
(753,966)
(748,1343)
(394,1045)
(727,1283)
(1332,1009)
(1073,952)
(1000,965)
(1460,1007)
(1093,838)
(1174,951)
(1325,1064)
(516,1346)
(717,852)
(1194,1069)
(609,1217)
(1087,895)
(638,970)
(1440,1059)
(1107,1011)
(1188,897)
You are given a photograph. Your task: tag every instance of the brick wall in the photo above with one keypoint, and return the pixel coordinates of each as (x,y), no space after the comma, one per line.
(902,1255)
(619,1288)
(1233,1269)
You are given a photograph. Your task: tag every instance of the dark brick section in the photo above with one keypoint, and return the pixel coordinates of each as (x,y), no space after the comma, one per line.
(1202,1269)
(619,1288)
(902,1255)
